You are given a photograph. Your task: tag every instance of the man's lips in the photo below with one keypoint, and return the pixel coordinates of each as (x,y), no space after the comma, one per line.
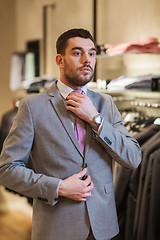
(86,69)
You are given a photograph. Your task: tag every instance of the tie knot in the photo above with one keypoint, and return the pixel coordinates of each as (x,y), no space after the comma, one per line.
(78,91)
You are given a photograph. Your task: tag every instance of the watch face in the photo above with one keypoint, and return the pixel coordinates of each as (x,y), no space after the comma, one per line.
(98,119)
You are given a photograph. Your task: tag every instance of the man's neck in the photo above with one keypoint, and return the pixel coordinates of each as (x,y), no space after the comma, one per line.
(65,89)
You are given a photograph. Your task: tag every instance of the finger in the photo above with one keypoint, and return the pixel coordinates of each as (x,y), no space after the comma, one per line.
(90,187)
(88,180)
(79,198)
(76,97)
(87,195)
(84,196)
(71,108)
(75,94)
(82,199)
(82,173)
(71,102)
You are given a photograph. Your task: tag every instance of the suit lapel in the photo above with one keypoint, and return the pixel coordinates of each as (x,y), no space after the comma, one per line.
(92,96)
(59,107)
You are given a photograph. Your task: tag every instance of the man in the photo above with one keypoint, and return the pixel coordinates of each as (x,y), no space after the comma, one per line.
(72,187)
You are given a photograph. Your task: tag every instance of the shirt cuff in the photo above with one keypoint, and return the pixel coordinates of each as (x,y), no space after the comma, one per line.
(99,129)
(58,188)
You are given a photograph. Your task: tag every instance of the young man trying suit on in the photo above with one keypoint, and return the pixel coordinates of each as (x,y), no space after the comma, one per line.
(73,190)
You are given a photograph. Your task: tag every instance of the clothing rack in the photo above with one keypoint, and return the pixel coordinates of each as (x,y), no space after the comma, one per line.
(147,105)
(150,109)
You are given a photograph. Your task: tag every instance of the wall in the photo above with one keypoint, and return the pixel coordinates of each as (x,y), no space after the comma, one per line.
(127,21)
(65,15)
(7,45)
(22,21)
(118,21)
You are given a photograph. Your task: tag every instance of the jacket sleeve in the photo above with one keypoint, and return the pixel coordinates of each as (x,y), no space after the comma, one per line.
(115,138)
(14,172)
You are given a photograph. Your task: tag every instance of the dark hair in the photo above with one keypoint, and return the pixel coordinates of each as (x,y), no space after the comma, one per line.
(62,40)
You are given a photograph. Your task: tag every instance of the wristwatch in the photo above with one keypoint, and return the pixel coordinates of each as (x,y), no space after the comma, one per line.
(97,121)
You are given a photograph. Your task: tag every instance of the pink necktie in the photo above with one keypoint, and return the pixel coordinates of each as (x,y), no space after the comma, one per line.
(80,128)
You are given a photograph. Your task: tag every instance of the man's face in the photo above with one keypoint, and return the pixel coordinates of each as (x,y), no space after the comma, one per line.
(78,63)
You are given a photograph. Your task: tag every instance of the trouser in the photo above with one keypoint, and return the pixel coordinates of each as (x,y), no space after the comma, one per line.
(91,237)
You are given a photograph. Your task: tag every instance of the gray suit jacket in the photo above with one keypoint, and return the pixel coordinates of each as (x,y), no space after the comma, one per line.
(43,131)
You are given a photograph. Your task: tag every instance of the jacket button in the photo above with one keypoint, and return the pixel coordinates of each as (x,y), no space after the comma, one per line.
(107,140)
(42,199)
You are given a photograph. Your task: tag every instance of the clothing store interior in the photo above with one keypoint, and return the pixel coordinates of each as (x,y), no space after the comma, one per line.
(127,35)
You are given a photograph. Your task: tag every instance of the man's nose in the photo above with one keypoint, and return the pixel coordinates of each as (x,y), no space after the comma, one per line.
(86,58)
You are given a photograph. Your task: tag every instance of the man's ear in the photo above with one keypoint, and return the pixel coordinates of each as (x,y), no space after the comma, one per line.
(59,60)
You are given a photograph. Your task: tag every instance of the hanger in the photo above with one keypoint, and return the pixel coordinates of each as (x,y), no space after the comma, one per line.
(157,121)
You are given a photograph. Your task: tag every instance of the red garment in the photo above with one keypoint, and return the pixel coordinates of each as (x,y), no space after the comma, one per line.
(145,45)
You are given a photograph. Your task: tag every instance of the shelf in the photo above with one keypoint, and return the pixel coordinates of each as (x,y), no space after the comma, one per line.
(128,93)
(126,54)
(128,64)
(136,94)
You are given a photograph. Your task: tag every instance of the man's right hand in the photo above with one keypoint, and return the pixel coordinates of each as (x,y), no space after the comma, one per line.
(75,188)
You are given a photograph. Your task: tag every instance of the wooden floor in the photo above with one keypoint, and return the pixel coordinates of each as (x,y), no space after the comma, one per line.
(15,216)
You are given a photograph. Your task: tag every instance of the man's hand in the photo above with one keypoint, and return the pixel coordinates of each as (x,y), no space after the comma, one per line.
(75,188)
(82,106)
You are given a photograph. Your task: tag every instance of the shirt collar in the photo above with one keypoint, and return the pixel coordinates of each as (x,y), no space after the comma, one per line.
(65,90)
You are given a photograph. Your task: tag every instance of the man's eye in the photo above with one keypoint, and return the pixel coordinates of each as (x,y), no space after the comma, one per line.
(77,53)
(92,54)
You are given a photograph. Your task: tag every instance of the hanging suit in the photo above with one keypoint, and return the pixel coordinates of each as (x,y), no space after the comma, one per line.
(129,188)
(148,148)
(153,230)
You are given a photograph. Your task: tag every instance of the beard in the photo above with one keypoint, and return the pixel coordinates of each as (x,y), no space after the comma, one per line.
(77,78)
